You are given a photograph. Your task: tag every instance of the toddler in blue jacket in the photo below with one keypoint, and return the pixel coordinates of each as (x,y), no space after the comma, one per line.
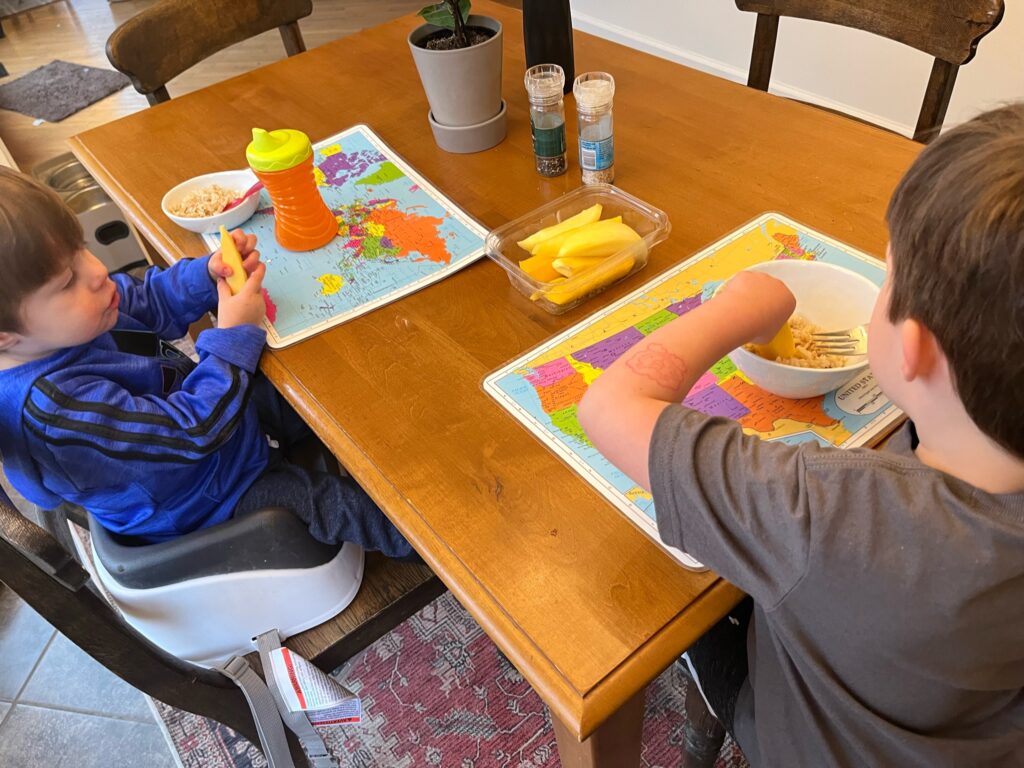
(153,445)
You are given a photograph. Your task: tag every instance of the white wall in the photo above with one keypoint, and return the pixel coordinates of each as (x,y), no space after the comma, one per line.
(849,70)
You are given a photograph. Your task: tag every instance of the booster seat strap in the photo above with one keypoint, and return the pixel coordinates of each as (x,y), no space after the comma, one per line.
(299,724)
(273,739)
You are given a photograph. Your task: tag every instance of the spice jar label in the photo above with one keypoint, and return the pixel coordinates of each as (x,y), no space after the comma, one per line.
(597,155)
(548,142)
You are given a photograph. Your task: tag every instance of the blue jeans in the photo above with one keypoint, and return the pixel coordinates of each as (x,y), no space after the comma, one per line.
(335,508)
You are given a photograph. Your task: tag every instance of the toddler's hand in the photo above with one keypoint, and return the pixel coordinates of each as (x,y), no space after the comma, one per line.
(247,306)
(761,303)
(246,245)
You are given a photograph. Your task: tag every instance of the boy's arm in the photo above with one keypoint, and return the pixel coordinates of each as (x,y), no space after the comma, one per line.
(621,407)
(736,503)
(168,300)
(186,426)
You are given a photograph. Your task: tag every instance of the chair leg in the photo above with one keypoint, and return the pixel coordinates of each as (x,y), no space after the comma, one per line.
(158,96)
(763,54)
(936,100)
(291,36)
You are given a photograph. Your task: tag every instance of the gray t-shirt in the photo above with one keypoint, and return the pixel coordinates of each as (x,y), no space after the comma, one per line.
(888,627)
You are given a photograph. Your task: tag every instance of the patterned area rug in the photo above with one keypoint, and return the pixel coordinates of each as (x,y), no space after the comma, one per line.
(437,692)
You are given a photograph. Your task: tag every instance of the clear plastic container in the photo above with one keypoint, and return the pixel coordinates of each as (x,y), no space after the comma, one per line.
(650,223)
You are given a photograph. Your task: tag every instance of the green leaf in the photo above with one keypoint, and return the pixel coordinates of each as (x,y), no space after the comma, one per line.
(440,15)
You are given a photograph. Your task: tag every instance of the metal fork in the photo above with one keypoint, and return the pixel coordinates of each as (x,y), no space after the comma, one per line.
(850,342)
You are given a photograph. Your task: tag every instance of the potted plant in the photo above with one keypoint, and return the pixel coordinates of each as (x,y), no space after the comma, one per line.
(458,57)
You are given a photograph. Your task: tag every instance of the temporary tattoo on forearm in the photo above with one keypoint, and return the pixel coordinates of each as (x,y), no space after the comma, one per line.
(659,365)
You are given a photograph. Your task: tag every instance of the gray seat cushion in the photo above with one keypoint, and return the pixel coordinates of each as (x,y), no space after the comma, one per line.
(268,539)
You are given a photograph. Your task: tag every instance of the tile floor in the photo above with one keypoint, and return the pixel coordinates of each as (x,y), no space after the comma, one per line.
(59,708)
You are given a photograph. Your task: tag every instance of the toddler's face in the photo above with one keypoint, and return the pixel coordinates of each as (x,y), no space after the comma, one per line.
(75,307)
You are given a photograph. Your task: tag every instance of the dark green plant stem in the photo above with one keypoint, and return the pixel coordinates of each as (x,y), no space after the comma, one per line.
(461,40)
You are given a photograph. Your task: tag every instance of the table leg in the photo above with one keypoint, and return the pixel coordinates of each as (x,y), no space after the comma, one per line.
(615,744)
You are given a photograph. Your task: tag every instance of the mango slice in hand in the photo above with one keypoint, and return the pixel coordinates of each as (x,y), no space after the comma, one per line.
(229,255)
(593,213)
(781,345)
(598,240)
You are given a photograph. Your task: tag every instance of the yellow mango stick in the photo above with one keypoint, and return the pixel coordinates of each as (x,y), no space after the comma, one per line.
(781,345)
(229,255)
(586,216)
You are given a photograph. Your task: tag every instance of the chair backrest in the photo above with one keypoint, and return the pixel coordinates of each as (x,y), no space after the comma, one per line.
(162,41)
(949,30)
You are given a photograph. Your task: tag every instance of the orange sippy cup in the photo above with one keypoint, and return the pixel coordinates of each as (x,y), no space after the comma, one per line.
(283,161)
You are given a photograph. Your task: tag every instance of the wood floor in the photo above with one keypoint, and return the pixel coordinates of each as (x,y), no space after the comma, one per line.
(77,31)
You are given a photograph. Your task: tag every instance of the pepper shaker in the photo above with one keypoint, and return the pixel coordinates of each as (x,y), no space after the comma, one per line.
(544,85)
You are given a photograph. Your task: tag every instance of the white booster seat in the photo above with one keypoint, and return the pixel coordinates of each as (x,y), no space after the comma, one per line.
(203,597)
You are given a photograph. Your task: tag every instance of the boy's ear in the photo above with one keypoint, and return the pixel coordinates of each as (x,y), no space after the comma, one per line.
(921,354)
(8,340)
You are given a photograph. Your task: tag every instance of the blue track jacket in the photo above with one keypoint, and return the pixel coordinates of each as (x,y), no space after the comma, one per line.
(152,446)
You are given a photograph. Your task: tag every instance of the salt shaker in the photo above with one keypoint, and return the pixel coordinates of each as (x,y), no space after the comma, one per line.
(544,84)
(594,92)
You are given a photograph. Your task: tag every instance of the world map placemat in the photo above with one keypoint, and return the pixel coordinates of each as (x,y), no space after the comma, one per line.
(396,234)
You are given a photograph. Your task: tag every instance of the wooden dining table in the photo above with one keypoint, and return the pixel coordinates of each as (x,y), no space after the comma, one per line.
(585,606)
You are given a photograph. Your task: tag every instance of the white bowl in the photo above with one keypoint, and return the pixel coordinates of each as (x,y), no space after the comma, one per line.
(237,180)
(831,297)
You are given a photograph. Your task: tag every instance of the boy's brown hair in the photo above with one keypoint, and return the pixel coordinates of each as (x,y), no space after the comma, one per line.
(956,224)
(39,236)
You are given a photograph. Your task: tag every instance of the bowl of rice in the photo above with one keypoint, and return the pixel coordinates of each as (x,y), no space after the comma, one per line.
(197,204)
(828,298)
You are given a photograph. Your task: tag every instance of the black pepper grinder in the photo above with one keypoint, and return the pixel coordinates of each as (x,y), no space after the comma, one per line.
(547,33)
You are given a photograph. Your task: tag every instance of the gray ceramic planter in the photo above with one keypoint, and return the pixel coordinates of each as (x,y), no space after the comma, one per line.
(463,87)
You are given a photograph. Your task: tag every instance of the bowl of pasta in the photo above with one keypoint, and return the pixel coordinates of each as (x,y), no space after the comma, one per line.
(828,298)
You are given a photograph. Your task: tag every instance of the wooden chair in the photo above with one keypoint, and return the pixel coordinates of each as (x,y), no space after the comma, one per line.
(42,569)
(949,30)
(161,42)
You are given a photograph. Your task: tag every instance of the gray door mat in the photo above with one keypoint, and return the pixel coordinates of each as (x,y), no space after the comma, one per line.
(59,89)
(11,7)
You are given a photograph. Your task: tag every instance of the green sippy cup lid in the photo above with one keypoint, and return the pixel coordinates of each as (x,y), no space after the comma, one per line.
(277,150)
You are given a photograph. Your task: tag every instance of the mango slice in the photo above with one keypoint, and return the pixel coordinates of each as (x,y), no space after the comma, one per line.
(781,345)
(571,266)
(566,291)
(230,256)
(539,268)
(593,213)
(549,248)
(598,240)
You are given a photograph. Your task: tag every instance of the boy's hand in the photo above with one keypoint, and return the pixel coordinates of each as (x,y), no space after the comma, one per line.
(246,249)
(761,304)
(247,306)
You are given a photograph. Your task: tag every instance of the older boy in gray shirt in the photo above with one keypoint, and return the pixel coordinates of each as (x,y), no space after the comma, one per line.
(888,587)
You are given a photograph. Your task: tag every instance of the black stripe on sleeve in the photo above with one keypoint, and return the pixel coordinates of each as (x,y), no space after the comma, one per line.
(100,433)
(50,390)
